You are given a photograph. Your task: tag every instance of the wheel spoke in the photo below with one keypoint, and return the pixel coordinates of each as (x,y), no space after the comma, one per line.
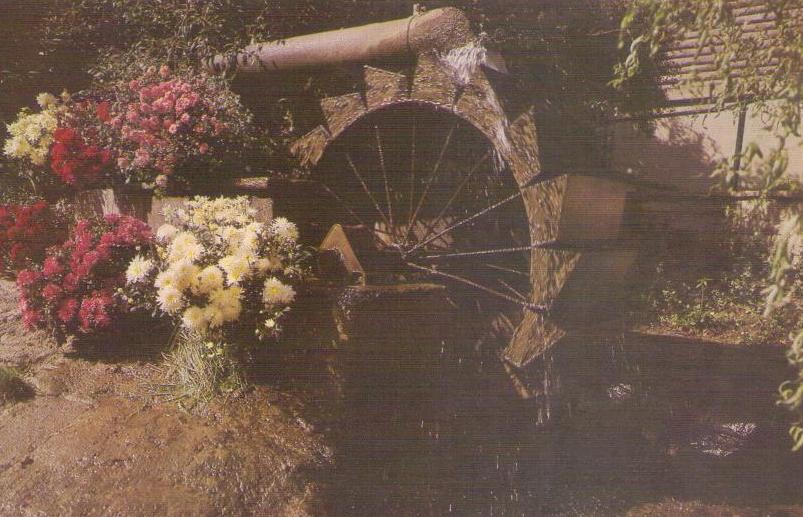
(355,216)
(465,221)
(384,172)
(495,251)
(512,290)
(431,179)
(508,270)
(523,303)
(460,189)
(366,190)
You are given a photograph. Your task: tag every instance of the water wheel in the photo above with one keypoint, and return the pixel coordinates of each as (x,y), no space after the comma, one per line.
(436,204)
(448,190)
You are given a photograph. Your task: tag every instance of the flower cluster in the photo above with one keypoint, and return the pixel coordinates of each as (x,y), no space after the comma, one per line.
(26,231)
(215,264)
(168,126)
(76,288)
(76,162)
(32,133)
(66,138)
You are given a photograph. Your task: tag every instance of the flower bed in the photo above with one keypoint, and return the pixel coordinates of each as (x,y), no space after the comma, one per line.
(26,231)
(76,289)
(215,268)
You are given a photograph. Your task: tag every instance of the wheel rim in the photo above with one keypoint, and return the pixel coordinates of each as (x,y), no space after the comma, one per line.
(439,206)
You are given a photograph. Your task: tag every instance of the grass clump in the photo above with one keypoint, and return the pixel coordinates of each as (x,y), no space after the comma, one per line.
(198,369)
(12,385)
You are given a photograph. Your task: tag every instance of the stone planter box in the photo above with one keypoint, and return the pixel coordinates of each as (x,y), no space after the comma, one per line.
(143,205)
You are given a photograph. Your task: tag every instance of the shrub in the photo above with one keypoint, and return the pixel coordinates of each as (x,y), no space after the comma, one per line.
(216,268)
(75,290)
(177,128)
(26,231)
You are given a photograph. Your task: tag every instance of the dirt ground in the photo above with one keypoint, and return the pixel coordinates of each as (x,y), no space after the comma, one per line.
(92,439)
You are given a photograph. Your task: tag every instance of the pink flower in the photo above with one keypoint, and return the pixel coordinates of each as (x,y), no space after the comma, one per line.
(30,318)
(123,162)
(52,267)
(133,85)
(51,292)
(95,311)
(173,129)
(164,71)
(203,148)
(141,157)
(67,309)
(185,118)
(71,282)
(26,277)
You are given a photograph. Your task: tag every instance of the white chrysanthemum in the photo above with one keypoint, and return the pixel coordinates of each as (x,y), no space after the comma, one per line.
(186,246)
(249,241)
(165,279)
(185,274)
(263,265)
(255,227)
(214,316)
(194,318)
(11,147)
(166,232)
(228,301)
(276,264)
(236,267)
(284,229)
(170,299)
(276,292)
(210,279)
(46,99)
(138,269)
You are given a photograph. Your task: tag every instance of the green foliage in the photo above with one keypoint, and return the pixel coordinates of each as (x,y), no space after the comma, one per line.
(197,369)
(12,385)
(769,83)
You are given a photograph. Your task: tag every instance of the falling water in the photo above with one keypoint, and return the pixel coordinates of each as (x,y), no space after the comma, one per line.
(462,63)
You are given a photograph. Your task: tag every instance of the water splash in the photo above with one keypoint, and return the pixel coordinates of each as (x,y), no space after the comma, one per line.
(464,61)
(462,64)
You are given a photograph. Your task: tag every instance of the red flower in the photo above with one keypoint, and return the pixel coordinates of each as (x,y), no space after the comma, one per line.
(95,311)
(51,292)
(82,275)
(102,110)
(76,162)
(67,309)
(31,318)
(26,278)
(52,267)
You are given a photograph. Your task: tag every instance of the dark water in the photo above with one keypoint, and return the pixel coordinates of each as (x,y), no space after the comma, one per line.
(637,427)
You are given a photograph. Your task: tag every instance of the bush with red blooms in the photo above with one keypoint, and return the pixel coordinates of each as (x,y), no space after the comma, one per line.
(75,290)
(74,161)
(26,231)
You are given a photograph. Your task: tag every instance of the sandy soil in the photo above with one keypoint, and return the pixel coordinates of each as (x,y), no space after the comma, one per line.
(92,441)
